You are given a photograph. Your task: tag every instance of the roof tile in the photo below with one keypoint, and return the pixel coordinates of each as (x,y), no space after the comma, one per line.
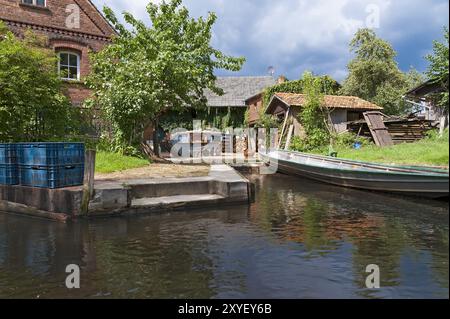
(237,89)
(330,101)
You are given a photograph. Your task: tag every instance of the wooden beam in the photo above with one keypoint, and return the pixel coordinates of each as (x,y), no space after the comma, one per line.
(16,208)
(289,137)
(284,127)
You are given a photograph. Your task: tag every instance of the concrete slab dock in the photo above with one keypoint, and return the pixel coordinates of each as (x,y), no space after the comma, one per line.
(223,185)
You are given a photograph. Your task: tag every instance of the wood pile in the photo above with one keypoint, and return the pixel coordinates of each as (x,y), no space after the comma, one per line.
(402,130)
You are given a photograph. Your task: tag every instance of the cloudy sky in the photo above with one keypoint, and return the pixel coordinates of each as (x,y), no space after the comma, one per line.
(298,35)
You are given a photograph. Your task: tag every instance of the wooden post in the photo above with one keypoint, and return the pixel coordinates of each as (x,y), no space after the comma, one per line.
(443,124)
(289,137)
(89,176)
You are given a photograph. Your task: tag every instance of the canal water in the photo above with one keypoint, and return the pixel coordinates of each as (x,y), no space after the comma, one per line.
(300,239)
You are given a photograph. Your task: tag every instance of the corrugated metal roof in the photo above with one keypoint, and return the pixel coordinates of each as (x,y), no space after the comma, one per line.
(330,101)
(237,89)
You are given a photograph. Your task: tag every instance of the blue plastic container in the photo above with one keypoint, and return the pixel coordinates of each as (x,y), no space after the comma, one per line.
(51,176)
(9,174)
(49,154)
(357,146)
(8,153)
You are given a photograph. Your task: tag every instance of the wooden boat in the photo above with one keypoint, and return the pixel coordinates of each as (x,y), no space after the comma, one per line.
(408,180)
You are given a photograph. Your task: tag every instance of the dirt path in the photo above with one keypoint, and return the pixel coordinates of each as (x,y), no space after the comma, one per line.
(154,171)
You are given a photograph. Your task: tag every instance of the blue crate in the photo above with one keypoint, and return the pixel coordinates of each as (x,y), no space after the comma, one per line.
(8,153)
(51,176)
(9,174)
(48,154)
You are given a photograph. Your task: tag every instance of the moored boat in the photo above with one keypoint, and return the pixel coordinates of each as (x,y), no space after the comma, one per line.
(408,180)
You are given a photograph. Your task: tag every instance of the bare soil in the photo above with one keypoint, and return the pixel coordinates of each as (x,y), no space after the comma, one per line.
(157,170)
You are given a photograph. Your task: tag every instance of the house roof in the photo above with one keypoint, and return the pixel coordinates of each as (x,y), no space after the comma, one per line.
(330,101)
(430,86)
(102,30)
(237,89)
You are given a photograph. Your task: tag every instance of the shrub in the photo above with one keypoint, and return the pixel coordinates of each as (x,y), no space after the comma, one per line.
(435,136)
(313,116)
(348,139)
(32,105)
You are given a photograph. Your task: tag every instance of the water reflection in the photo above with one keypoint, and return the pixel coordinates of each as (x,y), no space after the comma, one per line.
(299,239)
(393,232)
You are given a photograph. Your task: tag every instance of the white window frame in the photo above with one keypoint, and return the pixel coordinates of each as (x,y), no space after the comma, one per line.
(78,65)
(34,3)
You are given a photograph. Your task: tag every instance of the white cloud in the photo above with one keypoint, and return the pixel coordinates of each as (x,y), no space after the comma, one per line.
(295,35)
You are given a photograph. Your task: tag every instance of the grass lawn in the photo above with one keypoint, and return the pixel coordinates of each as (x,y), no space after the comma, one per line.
(112,162)
(433,151)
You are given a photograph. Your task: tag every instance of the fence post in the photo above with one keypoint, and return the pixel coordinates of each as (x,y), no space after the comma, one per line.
(88,184)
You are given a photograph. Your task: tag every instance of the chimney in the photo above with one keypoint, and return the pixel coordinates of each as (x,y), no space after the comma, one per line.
(281,79)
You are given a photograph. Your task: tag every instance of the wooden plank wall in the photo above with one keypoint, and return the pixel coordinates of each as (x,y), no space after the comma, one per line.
(380,133)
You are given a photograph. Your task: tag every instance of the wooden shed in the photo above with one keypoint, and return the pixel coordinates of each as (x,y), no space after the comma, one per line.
(342,109)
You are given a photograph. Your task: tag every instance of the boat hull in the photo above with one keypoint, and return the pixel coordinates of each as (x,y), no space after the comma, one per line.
(423,185)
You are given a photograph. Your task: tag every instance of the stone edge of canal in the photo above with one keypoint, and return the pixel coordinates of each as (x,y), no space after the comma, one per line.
(223,186)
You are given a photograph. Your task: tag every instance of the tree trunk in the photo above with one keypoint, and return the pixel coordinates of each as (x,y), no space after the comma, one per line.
(155,138)
(151,155)
(154,155)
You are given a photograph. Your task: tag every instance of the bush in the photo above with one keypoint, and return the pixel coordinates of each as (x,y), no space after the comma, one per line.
(313,116)
(348,139)
(317,140)
(116,146)
(32,105)
(435,136)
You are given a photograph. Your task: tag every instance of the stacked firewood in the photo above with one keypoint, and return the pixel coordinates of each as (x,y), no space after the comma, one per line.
(402,130)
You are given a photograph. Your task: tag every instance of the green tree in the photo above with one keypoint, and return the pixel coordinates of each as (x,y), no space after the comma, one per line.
(438,68)
(147,71)
(374,74)
(313,116)
(325,84)
(414,78)
(32,105)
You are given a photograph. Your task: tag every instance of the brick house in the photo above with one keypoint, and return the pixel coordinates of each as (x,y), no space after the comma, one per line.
(73,28)
(255,103)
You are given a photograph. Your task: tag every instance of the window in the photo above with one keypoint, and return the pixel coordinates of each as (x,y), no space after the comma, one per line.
(69,66)
(354,116)
(40,3)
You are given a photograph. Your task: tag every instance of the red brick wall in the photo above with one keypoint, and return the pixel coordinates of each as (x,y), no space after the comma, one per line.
(54,15)
(94,32)
(77,92)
